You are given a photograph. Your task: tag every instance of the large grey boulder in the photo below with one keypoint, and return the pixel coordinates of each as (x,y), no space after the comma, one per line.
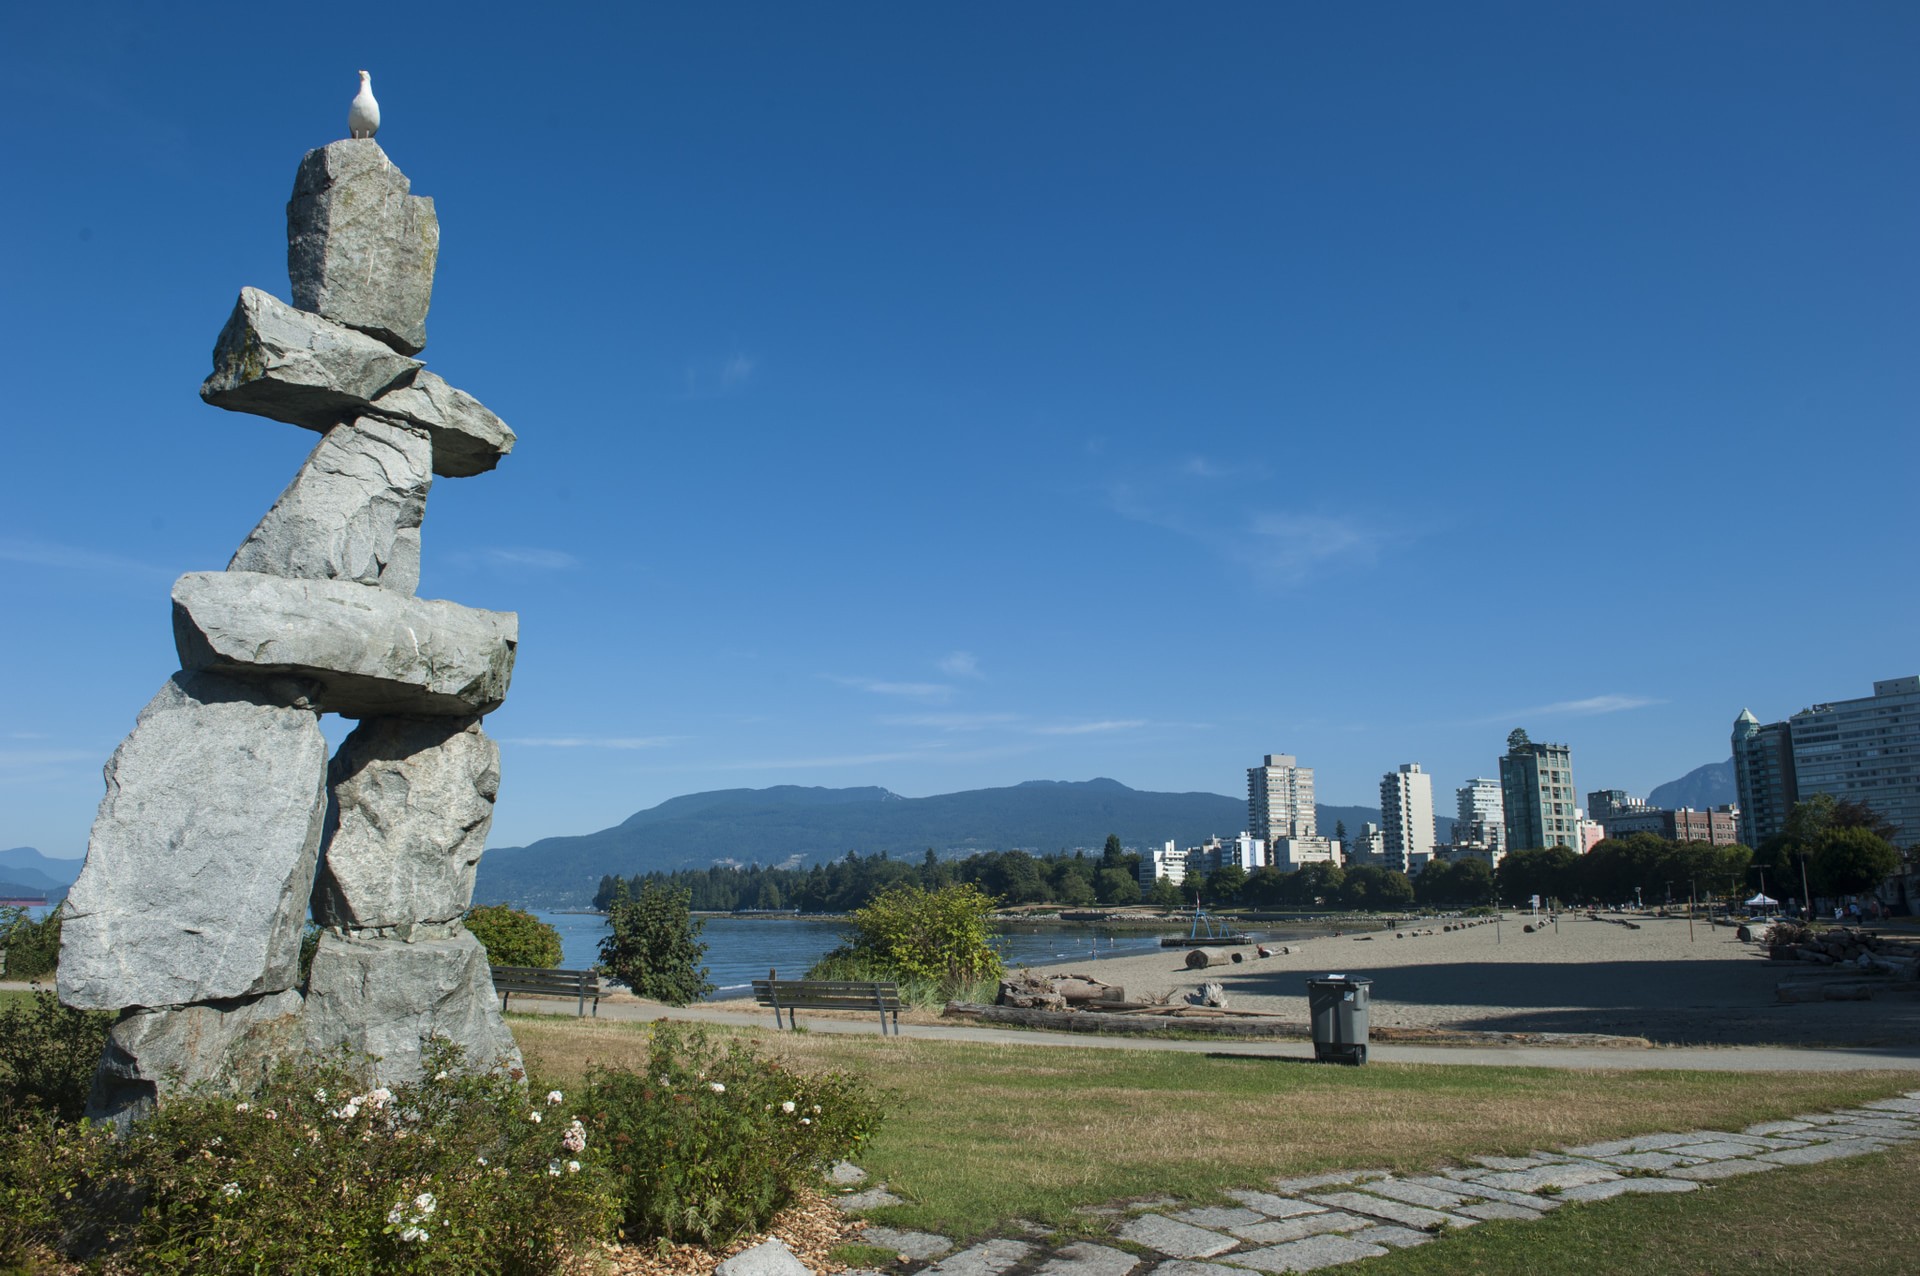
(360,247)
(275,361)
(202,856)
(229,1045)
(384,997)
(412,800)
(467,438)
(353,512)
(368,651)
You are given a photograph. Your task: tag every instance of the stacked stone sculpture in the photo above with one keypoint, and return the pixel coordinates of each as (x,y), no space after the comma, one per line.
(224,821)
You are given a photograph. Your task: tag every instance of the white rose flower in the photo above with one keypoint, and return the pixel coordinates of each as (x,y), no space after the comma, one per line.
(554,1098)
(425,1203)
(716,1087)
(787,1107)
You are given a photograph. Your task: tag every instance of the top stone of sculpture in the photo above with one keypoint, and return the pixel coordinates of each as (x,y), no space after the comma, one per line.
(360,247)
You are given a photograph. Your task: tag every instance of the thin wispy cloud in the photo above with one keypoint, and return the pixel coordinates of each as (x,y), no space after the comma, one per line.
(728,376)
(1092,728)
(22,759)
(593,741)
(1276,548)
(545,560)
(1206,467)
(960,664)
(31,552)
(1589,707)
(931,691)
(951,721)
(828,760)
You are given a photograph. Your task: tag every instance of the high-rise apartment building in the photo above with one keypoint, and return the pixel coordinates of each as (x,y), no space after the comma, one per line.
(1536,794)
(1478,816)
(1406,812)
(1865,750)
(1164,861)
(1280,799)
(1763,775)
(1280,813)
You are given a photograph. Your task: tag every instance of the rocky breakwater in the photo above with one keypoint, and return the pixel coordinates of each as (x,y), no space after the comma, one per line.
(224,819)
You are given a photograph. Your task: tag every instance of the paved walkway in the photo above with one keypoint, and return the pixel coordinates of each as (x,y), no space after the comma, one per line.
(1304,1224)
(1688,1058)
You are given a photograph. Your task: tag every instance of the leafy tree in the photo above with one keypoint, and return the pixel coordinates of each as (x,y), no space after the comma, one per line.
(1112,853)
(1847,861)
(31,949)
(513,937)
(1117,886)
(655,947)
(1165,894)
(1225,883)
(1315,884)
(1551,874)
(942,934)
(1458,884)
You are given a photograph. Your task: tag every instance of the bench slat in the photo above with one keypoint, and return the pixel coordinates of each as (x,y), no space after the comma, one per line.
(536,980)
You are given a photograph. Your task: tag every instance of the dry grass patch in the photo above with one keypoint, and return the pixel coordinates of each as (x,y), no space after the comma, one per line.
(980,1134)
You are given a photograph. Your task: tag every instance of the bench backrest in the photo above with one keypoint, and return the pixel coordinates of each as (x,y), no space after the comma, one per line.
(537,979)
(827,994)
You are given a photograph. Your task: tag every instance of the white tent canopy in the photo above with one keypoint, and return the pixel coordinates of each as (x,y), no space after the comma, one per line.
(1763,900)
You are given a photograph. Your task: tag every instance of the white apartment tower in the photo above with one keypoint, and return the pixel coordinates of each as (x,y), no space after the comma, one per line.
(1478,817)
(1406,812)
(1280,799)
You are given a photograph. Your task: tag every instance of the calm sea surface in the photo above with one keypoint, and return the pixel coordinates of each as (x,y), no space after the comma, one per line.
(741,949)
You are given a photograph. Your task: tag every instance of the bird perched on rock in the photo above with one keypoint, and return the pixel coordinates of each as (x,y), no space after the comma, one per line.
(363,117)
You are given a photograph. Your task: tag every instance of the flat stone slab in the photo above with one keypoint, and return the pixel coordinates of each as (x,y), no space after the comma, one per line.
(1766,1142)
(1392,1237)
(1274,1206)
(1876,1130)
(1556,1176)
(1393,1211)
(846,1174)
(1815,1153)
(1778,1127)
(361,247)
(1220,1216)
(285,364)
(1293,1229)
(1711,1171)
(769,1258)
(1178,1240)
(989,1258)
(367,651)
(1308,1255)
(1086,1259)
(1338,1178)
(871,1199)
(1415,1194)
(915,1245)
(1884,1105)
(1187,1267)
(1511,1163)
(1639,1143)
(1627,1187)
(1651,1160)
(467,438)
(1487,1211)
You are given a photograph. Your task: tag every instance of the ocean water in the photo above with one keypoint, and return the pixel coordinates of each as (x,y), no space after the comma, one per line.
(741,949)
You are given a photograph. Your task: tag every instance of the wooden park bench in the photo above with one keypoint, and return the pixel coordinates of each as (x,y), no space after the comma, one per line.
(829,994)
(534,981)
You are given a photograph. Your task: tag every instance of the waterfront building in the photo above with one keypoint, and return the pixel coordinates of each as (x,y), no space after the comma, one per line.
(1536,794)
(1368,844)
(1720,826)
(1406,810)
(1280,799)
(1478,817)
(1290,853)
(1865,750)
(1163,861)
(1604,804)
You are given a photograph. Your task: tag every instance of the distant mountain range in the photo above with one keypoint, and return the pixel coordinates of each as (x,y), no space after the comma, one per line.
(793,826)
(25,872)
(1702,788)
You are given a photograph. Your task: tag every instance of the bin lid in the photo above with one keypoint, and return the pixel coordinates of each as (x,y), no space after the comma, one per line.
(1344,981)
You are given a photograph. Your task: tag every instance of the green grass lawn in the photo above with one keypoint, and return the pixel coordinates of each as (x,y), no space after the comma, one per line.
(982,1134)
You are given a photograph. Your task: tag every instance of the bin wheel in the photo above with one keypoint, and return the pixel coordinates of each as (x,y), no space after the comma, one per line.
(1358,1056)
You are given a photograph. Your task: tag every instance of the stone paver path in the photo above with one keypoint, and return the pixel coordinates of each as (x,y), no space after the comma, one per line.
(1305,1224)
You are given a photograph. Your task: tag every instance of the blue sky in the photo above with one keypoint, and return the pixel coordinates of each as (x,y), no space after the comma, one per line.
(942,397)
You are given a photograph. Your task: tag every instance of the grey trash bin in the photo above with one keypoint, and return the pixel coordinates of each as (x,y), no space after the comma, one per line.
(1338,1006)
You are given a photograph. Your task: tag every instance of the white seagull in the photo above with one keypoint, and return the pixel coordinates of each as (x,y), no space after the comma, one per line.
(363,117)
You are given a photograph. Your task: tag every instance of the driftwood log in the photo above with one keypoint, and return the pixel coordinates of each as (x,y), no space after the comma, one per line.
(1201,958)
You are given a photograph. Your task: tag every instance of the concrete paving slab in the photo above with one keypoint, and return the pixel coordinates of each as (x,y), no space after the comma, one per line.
(1778,1127)
(1177,1240)
(1339,1178)
(1720,1150)
(1274,1206)
(1712,1171)
(1639,1143)
(915,1245)
(1652,1160)
(1415,1194)
(871,1199)
(1627,1187)
(1219,1216)
(1393,1211)
(989,1258)
(1815,1153)
(1186,1267)
(1489,1210)
(1086,1259)
(1391,1236)
(1510,1163)
(1293,1229)
(1875,1130)
(1308,1255)
(1557,1176)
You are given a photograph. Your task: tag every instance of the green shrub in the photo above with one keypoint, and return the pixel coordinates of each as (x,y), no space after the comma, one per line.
(514,938)
(309,1173)
(941,935)
(32,948)
(924,994)
(48,1054)
(655,947)
(707,1144)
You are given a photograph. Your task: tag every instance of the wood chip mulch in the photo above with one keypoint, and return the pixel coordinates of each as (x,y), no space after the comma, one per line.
(811,1227)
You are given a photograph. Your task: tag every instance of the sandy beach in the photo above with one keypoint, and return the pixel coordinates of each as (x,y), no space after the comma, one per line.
(1585,976)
